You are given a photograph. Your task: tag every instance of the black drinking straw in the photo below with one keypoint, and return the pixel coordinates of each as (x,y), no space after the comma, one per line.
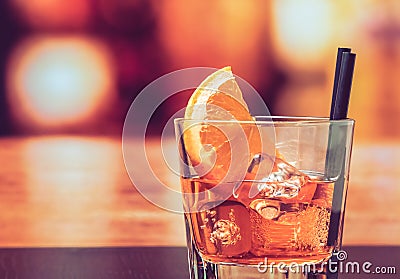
(335,161)
(336,78)
(341,96)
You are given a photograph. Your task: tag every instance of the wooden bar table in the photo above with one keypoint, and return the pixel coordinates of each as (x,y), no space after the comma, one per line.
(69,210)
(162,262)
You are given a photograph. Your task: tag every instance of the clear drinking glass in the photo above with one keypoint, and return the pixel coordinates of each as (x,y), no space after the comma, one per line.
(281,200)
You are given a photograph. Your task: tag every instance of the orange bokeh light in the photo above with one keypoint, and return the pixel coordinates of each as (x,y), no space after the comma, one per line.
(54,13)
(299,40)
(234,33)
(59,80)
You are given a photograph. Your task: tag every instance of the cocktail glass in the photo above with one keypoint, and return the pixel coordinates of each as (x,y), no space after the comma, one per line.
(276,206)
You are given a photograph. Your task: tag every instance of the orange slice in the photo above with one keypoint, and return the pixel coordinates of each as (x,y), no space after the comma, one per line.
(220,151)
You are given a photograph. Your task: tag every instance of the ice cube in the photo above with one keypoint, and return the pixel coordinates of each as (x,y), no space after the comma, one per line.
(268,209)
(227,229)
(283,181)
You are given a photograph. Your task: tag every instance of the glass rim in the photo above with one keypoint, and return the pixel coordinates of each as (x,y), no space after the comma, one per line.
(275,120)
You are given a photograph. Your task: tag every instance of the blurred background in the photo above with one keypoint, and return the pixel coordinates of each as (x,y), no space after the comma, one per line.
(76,67)
(69,71)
